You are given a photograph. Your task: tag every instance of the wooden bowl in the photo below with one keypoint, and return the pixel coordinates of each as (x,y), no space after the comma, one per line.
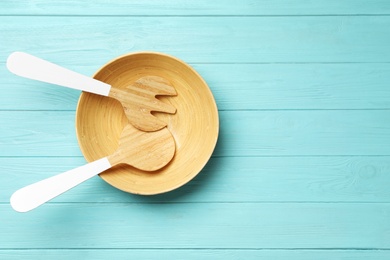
(195,126)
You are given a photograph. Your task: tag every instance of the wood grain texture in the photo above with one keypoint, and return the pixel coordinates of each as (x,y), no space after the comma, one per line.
(212,254)
(32,137)
(91,40)
(139,100)
(307,178)
(266,133)
(199,225)
(148,151)
(201,7)
(239,86)
(227,179)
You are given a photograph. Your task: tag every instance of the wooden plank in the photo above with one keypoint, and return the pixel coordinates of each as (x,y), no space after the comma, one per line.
(304,133)
(298,86)
(242,133)
(24,94)
(35,133)
(199,225)
(189,254)
(240,86)
(92,40)
(203,7)
(227,179)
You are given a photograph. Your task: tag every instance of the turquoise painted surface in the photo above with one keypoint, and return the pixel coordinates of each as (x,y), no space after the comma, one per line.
(302,165)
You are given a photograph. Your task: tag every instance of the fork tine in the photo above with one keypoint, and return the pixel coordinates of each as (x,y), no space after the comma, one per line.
(141,98)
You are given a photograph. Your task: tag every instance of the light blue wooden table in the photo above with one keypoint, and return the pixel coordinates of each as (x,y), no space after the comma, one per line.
(302,166)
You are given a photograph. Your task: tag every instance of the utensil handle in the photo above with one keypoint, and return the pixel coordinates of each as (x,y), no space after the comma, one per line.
(36,194)
(29,66)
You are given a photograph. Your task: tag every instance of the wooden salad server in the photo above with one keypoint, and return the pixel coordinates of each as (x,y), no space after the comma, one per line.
(148,151)
(138,99)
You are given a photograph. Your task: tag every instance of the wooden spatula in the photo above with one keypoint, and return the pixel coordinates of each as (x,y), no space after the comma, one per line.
(148,151)
(138,99)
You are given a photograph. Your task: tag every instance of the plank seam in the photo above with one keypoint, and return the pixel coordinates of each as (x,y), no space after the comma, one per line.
(226,110)
(278,63)
(216,156)
(204,248)
(195,15)
(210,202)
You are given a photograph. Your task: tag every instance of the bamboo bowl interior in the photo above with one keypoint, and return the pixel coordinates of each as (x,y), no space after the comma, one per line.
(195,126)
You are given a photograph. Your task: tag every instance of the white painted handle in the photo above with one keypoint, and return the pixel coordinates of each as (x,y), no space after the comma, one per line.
(36,194)
(29,66)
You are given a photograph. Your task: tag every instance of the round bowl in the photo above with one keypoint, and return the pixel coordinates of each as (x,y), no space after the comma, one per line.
(195,126)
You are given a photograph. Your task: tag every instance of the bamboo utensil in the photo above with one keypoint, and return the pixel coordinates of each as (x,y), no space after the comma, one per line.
(148,151)
(138,98)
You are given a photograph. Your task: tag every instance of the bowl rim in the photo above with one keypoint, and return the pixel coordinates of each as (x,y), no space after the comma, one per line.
(215,108)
